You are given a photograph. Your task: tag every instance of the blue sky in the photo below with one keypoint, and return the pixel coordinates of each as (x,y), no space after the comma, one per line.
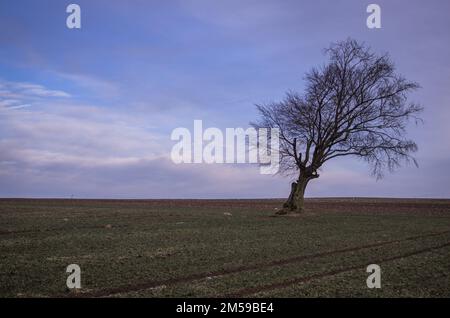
(89,112)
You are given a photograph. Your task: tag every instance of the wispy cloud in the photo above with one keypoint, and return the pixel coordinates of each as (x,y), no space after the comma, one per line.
(41,91)
(16,95)
(92,113)
(92,83)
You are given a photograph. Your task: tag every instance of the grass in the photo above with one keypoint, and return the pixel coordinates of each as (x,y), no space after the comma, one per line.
(195,248)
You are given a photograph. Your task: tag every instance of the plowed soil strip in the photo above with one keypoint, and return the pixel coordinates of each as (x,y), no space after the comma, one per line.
(204,275)
(288,283)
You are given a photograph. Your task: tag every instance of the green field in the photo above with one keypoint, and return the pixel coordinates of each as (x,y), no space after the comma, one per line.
(219,248)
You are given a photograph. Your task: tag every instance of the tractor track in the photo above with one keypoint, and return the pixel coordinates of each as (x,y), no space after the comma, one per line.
(287,283)
(204,275)
(56,229)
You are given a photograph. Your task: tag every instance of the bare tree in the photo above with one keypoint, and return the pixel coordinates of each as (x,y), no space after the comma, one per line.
(355,105)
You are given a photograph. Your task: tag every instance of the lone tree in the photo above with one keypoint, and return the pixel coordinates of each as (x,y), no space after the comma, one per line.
(355,105)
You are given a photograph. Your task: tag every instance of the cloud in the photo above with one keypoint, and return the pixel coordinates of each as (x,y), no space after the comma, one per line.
(8,102)
(19,106)
(63,131)
(16,95)
(31,90)
(64,148)
(105,132)
(146,178)
(98,86)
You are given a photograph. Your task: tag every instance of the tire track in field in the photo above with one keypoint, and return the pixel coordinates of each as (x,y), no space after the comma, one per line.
(287,283)
(205,275)
(62,229)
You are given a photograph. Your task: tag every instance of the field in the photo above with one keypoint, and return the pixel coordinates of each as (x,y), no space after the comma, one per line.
(221,248)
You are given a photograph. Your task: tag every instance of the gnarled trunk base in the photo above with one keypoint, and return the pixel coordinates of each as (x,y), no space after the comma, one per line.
(295,202)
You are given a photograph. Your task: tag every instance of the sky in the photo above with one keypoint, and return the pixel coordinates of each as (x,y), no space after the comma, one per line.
(89,112)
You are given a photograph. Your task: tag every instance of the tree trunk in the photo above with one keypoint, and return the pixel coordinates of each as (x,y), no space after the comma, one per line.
(295,202)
